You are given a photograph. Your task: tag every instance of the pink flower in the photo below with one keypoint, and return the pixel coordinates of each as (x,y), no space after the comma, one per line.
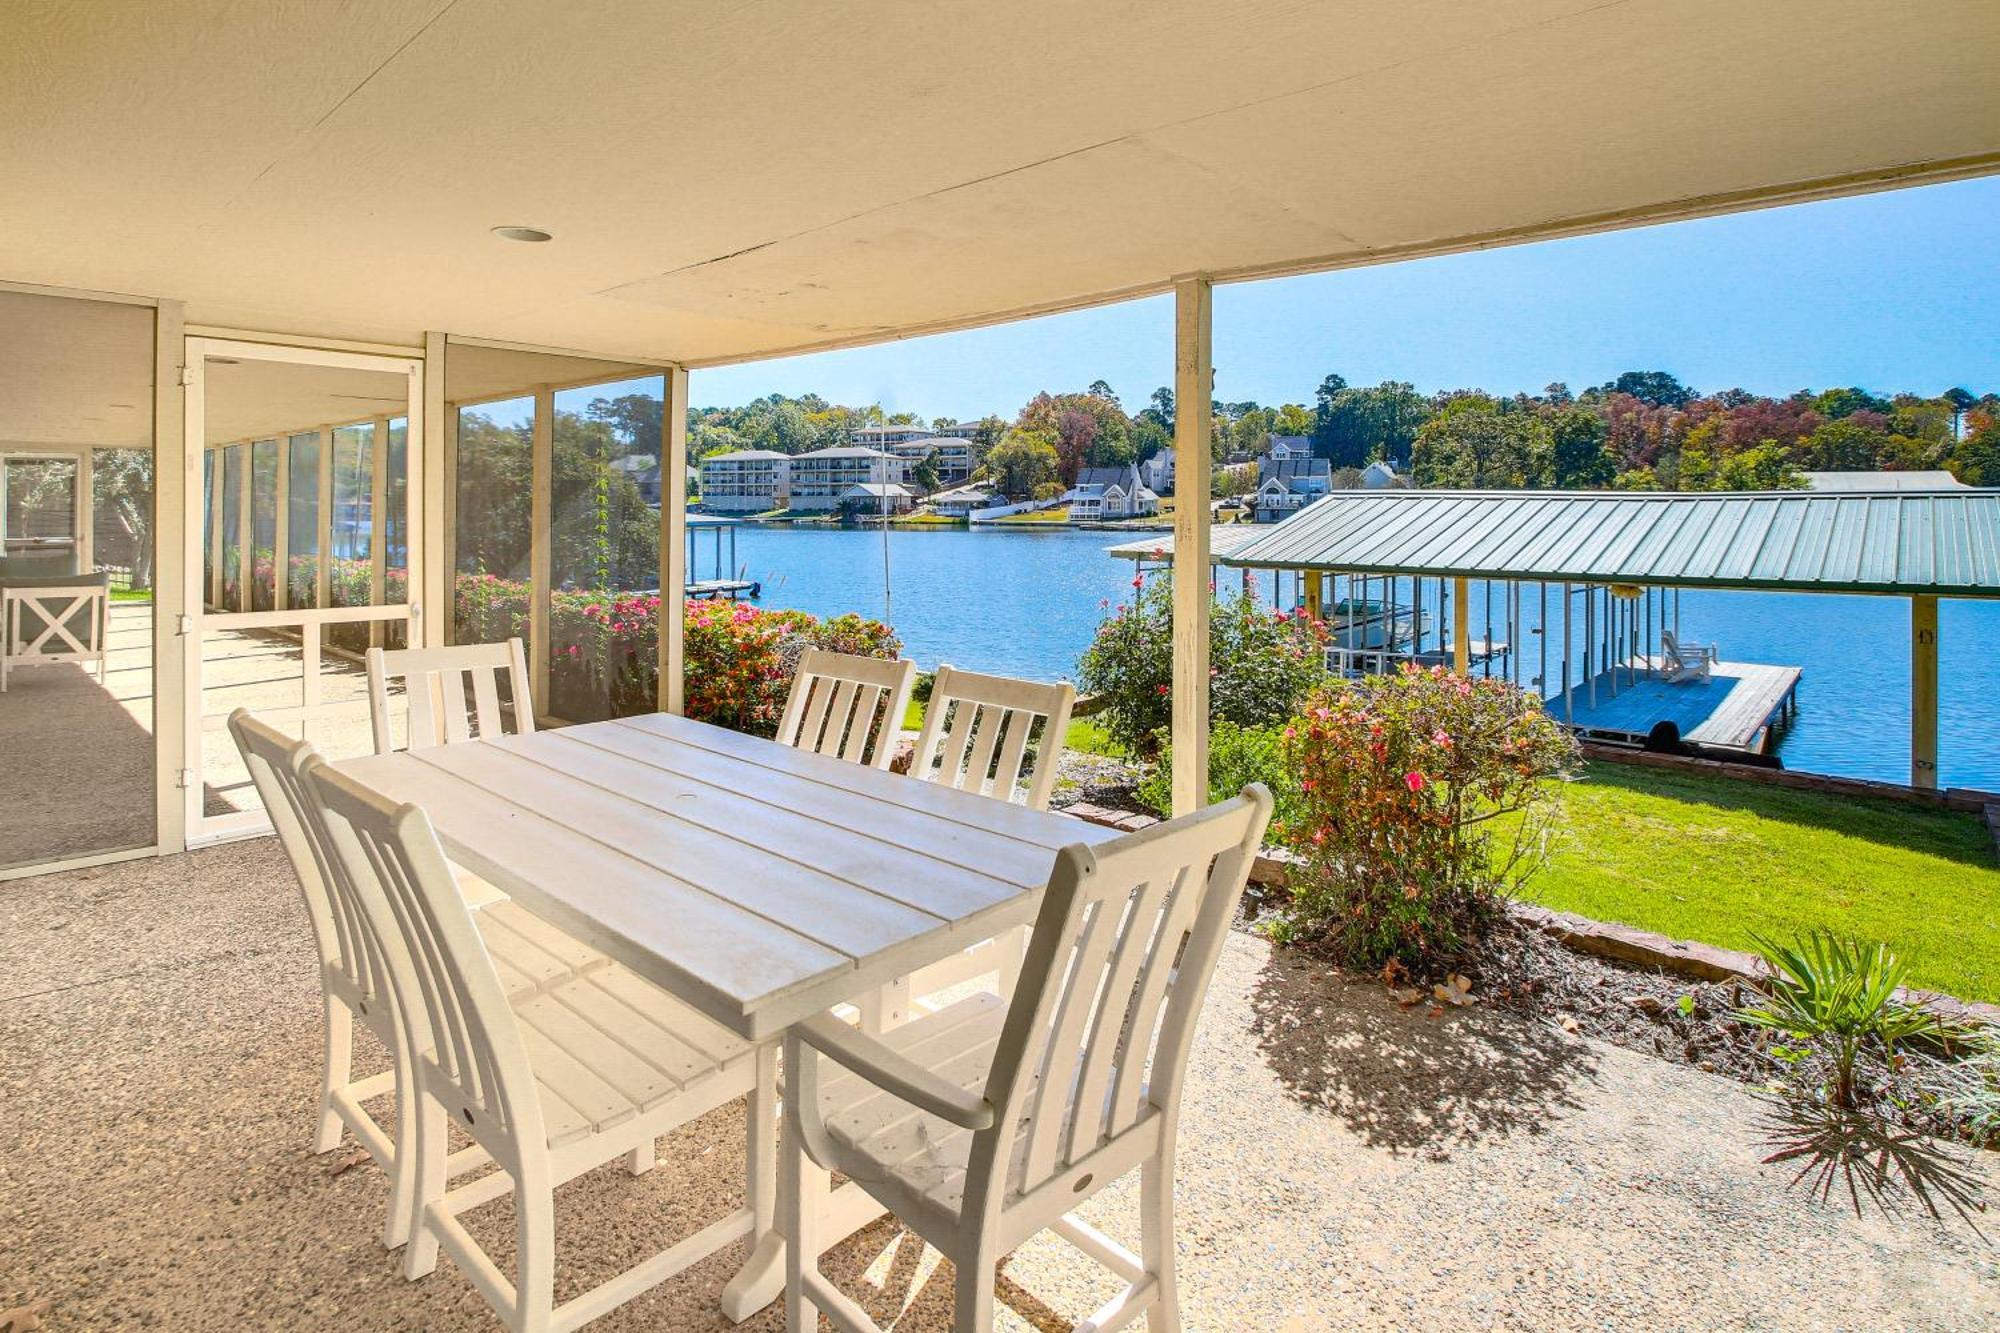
(1414,780)
(1164,690)
(1441,736)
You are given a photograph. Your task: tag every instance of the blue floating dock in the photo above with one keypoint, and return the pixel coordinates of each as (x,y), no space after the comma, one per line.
(1735,707)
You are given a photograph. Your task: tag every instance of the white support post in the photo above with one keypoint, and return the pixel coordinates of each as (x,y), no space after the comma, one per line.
(378,528)
(541,556)
(1924,691)
(673,540)
(177,498)
(1194,389)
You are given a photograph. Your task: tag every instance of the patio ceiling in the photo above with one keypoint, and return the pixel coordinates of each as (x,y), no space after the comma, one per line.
(726,182)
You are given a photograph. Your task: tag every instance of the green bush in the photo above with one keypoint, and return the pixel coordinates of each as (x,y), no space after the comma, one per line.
(1401,781)
(1838,996)
(1237,757)
(1261,664)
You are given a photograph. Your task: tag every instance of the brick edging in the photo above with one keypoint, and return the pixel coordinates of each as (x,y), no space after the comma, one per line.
(1952,798)
(1603,939)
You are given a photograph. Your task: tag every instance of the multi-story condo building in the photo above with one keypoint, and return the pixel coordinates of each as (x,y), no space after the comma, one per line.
(883,437)
(820,479)
(954,457)
(748,481)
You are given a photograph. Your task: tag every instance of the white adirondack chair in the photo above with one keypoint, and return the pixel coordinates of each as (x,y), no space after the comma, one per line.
(976,738)
(434,684)
(839,704)
(985,1123)
(1684,661)
(39,625)
(550,1087)
(529,954)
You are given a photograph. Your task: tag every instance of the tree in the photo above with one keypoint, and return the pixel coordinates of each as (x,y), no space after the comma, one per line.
(1656,387)
(1976,460)
(1579,456)
(121,481)
(1323,399)
(989,432)
(1023,461)
(1484,448)
(1960,400)
(925,473)
(1162,409)
(1087,431)
(1833,404)
(1845,444)
(1355,426)
(1099,389)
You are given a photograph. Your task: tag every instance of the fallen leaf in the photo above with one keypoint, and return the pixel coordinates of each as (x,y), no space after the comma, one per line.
(1454,990)
(24,1318)
(359,1157)
(1569,1024)
(1406,995)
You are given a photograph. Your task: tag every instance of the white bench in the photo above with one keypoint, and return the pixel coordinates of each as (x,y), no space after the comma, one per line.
(38,624)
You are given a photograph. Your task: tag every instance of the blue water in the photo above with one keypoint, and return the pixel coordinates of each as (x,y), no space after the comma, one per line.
(1026,604)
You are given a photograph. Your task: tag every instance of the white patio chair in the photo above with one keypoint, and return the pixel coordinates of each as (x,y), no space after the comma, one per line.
(976,737)
(434,684)
(529,955)
(840,703)
(63,620)
(549,1087)
(1684,661)
(983,1124)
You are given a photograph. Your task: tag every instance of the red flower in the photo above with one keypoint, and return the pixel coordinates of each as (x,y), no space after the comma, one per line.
(1414,780)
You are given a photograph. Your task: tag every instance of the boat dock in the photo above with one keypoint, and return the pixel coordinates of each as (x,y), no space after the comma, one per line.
(1735,708)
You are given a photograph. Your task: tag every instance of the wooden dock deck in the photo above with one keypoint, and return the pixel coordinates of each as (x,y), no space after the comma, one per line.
(1734,707)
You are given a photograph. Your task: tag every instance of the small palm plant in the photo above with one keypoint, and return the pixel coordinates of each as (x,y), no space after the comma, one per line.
(1837,995)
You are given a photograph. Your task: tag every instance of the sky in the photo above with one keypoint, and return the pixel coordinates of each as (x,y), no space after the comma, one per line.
(1893,291)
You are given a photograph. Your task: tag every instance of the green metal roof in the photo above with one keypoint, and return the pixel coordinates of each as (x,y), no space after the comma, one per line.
(1907,542)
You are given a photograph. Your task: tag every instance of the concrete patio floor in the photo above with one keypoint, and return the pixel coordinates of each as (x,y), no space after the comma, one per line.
(1344,1164)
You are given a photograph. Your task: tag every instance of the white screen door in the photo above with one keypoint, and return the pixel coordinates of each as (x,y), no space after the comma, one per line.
(302,551)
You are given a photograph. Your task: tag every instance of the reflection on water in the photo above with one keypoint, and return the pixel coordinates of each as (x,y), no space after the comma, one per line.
(1026,603)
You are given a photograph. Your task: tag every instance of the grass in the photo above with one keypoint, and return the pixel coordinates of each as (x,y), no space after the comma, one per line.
(1085,736)
(131,594)
(1060,514)
(1720,860)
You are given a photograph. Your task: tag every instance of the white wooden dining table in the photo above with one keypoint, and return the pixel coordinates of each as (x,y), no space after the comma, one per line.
(759,883)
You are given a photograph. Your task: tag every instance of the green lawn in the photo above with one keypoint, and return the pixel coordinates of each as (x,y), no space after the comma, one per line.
(1718,860)
(1084,736)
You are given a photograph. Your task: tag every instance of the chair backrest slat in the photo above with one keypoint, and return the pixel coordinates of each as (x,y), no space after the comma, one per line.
(977,732)
(1119,964)
(453,1004)
(847,706)
(435,681)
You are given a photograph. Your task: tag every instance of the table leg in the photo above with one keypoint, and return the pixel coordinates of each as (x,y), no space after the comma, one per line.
(842,1212)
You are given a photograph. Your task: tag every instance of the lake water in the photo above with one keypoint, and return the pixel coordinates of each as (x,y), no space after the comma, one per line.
(1025,603)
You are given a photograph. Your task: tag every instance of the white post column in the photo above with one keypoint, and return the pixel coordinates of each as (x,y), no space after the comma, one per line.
(541,560)
(1923,691)
(1194,390)
(673,539)
(437,442)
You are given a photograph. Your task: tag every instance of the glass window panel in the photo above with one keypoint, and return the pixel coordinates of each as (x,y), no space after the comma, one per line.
(39,523)
(302,505)
(351,571)
(263,524)
(233,462)
(604,536)
(492,496)
(208,520)
(396,529)
(121,519)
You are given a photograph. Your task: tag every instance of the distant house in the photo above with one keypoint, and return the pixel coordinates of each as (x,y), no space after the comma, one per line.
(962,501)
(1157,472)
(1287,485)
(1883,481)
(821,479)
(887,437)
(954,456)
(1285,448)
(1111,492)
(747,481)
(1379,476)
(878,497)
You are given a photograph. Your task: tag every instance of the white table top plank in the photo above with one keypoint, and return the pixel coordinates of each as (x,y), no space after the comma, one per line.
(846,917)
(758,883)
(669,934)
(845,834)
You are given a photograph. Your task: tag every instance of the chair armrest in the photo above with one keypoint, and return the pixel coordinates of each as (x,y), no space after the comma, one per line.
(895,1073)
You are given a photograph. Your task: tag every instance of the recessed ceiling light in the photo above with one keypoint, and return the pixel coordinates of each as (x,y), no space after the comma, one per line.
(522,234)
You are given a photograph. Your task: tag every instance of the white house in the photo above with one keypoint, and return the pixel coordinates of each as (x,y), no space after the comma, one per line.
(1285,448)
(963,500)
(821,479)
(1285,486)
(1157,472)
(878,497)
(1111,492)
(747,481)
(1379,476)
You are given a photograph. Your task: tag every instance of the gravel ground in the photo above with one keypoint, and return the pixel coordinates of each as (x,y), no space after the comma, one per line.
(1345,1163)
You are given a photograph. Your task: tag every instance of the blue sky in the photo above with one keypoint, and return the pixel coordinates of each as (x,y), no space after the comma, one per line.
(1889,291)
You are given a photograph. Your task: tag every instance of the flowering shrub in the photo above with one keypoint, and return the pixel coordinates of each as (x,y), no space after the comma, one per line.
(1402,781)
(1261,664)
(739,658)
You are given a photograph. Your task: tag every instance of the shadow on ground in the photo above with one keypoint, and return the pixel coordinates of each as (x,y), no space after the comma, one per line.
(1411,1080)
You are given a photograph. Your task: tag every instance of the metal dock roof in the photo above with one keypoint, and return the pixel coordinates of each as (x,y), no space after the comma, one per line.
(1947,543)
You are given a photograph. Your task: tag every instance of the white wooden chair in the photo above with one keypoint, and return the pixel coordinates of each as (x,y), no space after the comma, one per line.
(1685,661)
(983,1124)
(530,956)
(434,684)
(591,1070)
(976,737)
(39,626)
(839,704)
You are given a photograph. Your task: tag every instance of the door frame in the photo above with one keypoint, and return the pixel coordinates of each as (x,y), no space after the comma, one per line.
(203,828)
